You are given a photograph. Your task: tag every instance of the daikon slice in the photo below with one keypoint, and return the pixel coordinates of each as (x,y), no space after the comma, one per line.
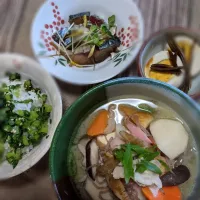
(170,137)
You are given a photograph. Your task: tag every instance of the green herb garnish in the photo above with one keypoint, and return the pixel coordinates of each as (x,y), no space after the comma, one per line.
(146,107)
(128,163)
(21,128)
(145,165)
(111,21)
(164,165)
(128,152)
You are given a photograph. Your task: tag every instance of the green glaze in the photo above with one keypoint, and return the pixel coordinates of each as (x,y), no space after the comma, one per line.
(95,96)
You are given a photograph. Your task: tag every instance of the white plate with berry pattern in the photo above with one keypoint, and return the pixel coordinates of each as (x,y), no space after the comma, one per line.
(53,16)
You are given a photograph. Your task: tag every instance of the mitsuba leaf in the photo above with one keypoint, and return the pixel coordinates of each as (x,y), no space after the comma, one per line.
(148,156)
(164,164)
(149,166)
(111,21)
(128,163)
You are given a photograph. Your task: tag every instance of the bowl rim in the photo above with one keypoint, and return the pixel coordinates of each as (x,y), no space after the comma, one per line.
(172,28)
(123,80)
(37,66)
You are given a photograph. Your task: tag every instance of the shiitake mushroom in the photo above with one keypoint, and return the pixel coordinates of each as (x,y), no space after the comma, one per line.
(177,176)
(88,160)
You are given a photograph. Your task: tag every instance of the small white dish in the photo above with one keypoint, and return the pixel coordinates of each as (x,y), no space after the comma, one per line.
(158,43)
(32,70)
(53,15)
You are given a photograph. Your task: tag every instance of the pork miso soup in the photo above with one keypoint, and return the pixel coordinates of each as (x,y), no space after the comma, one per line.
(132,149)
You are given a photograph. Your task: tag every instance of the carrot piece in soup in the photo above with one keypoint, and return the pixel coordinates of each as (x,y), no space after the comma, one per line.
(99,124)
(168,193)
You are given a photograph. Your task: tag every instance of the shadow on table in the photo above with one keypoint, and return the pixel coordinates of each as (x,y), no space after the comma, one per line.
(30,175)
(34,184)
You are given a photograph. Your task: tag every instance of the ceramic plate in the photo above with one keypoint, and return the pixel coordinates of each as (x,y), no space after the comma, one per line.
(32,70)
(53,15)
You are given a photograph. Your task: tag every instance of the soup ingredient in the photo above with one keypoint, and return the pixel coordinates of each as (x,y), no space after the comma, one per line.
(91,158)
(129,158)
(147,108)
(94,192)
(148,178)
(111,120)
(103,140)
(27,117)
(116,142)
(164,167)
(136,131)
(134,191)
(167,193)
(129,138)
(145,118)
(126,155)
(177,176)
(118,188)
(170,137)
(82,148)
(99,124)
(118,172)
(108,166)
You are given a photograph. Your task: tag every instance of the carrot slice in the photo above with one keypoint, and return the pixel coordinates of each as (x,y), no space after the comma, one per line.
(99,124)
(168,193)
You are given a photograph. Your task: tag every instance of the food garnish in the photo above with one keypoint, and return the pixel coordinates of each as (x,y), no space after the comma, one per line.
(124,159)
(27,114)
(87,41)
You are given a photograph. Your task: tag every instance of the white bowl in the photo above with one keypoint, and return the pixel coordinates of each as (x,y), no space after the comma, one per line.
(31,69)
(54,14)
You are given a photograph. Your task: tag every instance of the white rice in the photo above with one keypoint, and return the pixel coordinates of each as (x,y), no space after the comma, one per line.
(23,95)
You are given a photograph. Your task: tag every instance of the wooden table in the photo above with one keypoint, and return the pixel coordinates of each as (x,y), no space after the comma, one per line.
(15,22)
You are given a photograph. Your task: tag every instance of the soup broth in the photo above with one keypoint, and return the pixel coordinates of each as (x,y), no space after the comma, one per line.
(85,186)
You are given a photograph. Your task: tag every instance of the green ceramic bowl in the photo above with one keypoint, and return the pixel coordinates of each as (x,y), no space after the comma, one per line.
(177,100)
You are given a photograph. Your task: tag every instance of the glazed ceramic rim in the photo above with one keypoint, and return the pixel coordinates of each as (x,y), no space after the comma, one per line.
(118,81)
(129,64)
(173,28)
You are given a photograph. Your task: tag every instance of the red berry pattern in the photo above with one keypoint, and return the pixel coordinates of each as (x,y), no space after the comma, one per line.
(56,24)
(17,64)
(129,35)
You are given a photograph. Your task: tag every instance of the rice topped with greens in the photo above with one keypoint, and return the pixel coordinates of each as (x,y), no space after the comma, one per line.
(25,117)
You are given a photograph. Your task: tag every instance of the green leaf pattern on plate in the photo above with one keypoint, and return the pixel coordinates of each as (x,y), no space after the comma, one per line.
(42,53)
(117,59)
(61,61)
(41,45)
(120,57)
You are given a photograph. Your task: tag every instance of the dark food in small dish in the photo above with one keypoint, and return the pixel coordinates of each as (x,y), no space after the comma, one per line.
(177,64)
